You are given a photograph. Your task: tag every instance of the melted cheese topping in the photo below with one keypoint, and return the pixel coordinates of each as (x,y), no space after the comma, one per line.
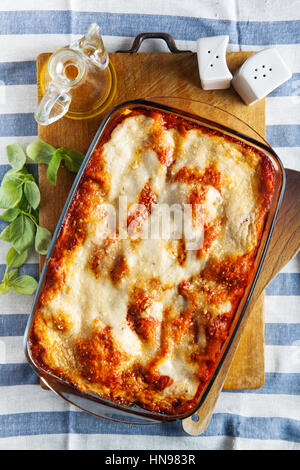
(140,320)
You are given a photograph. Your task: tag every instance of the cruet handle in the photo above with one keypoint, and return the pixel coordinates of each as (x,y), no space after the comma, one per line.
(54,104)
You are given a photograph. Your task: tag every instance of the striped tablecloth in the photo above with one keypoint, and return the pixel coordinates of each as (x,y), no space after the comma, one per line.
(268,418)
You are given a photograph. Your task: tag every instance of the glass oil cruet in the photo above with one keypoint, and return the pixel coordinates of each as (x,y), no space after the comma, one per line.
(77,81)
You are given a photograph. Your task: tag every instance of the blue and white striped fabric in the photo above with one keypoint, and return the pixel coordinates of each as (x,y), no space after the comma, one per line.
(269,418)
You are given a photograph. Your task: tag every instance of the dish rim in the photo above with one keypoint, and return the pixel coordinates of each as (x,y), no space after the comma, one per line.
(155,418)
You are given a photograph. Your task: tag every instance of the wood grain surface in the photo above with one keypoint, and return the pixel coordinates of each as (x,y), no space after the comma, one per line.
(164,74)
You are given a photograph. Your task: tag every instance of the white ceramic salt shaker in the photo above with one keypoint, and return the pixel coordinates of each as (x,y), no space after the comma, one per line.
(260,74)
(213,70)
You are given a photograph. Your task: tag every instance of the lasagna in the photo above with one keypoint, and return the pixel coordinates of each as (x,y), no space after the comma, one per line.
(138,319)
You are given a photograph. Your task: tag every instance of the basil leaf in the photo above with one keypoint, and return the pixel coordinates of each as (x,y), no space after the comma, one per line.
(22,233)
(11,195)
(11,175)
(11,275)
(5,234)
(14,259)
(73,159)
(24,204)
(40,152)
(10,214)
(42,240)
(16,156)
(32,193)
(53,167)
(24,285)
(68,162)
(11,184)
(4,289)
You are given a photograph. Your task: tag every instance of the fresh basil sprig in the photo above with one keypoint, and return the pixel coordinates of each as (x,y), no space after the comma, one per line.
(20,197)
(41,152)
(21,284)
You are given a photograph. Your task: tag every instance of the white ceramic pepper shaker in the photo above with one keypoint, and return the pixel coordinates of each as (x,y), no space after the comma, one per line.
(213,70)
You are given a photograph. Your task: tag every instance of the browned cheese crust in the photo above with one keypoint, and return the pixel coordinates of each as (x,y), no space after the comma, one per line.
(140,321)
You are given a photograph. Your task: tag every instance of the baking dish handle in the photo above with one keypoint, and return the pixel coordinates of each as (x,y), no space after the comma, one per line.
(165,36)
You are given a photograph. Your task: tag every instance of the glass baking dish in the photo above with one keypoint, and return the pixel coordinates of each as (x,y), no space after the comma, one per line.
(229,125)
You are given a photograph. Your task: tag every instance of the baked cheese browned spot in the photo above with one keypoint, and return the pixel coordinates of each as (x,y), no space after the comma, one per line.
(147,199)
(119,270)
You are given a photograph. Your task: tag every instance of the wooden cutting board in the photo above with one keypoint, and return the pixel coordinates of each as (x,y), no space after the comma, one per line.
(166,74)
